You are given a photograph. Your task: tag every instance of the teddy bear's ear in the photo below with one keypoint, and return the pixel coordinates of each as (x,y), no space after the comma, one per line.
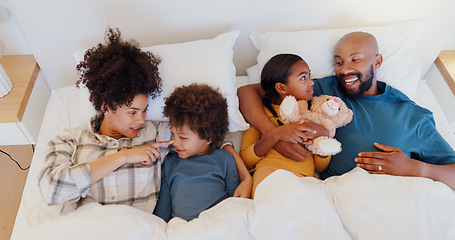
(289,109)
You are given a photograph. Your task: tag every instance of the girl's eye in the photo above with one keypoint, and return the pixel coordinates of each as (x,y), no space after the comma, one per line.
(356,60)
(132,113)
(303,78)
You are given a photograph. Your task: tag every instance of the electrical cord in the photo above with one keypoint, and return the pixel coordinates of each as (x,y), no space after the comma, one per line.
(7,154)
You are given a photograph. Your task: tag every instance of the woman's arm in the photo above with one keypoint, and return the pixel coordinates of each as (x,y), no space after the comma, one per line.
(145,154)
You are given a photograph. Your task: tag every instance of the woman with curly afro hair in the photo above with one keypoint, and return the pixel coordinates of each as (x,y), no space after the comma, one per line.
(115,160)
(197,175)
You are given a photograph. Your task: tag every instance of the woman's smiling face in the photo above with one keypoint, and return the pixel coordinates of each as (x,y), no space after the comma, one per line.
(125,121)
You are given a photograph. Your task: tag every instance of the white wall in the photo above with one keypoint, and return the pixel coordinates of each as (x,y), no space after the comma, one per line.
(11,35)
(54,29)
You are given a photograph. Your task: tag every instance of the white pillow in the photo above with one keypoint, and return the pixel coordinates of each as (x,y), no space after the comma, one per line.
(208,61)
(396,42)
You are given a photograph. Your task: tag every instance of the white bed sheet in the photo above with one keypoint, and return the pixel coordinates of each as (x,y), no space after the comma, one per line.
(356,205)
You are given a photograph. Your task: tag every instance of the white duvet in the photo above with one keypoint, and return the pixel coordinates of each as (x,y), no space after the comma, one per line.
(356,205)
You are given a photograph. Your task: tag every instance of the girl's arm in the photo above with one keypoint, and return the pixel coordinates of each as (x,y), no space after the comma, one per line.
(250,105)
(292,132)
(321,162)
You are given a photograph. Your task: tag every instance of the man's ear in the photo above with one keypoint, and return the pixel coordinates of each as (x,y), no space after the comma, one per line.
(281,88)
(378,61)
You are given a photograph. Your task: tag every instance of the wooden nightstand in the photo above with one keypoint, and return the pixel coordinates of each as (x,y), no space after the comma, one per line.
(446,65)
(22,110)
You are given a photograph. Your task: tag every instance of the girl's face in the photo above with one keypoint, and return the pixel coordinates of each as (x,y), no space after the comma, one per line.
(188,143)
(125,121)
(299,82)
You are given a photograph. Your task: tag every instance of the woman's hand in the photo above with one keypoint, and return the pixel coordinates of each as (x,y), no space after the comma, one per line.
(145,154)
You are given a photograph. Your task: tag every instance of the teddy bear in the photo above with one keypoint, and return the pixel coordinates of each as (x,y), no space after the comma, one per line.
(328,111)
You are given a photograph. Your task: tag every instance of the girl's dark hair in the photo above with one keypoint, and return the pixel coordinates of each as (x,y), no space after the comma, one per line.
(200,107)
(276,70)
(117,71)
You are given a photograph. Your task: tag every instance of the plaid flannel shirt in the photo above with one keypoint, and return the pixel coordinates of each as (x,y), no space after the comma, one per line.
(65,178)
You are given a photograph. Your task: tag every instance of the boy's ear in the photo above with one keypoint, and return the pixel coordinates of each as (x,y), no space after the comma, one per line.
(208,142)
(281,88)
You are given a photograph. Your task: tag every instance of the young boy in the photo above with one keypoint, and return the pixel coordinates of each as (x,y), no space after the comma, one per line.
(197,175)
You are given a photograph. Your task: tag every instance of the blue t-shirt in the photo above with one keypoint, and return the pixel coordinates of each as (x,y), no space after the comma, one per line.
(389,118)
(190,186)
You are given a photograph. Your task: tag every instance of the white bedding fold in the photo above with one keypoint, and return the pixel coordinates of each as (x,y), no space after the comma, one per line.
(356,205)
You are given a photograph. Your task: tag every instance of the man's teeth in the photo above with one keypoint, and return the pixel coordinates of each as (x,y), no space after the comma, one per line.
(350,81)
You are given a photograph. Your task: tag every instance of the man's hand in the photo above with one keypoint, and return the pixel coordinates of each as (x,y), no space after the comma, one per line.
(297,151)
(391,161)
(292,150)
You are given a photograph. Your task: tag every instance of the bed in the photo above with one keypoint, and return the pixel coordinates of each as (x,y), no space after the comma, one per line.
(356,205)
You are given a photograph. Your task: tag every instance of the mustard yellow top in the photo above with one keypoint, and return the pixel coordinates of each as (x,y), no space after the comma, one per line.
(273,158)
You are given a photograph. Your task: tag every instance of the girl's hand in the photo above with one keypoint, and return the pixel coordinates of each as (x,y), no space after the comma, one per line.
(145,154)
(314,130)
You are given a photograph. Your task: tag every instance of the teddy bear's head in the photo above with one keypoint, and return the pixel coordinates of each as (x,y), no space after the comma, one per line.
(332,108)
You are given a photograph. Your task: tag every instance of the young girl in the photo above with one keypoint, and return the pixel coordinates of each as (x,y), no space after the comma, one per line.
(197,175)
(284,74)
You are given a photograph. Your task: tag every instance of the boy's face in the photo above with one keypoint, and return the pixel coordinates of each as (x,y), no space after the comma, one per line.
(188,143)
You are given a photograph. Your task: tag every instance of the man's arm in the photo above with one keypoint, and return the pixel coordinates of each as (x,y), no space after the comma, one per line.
(394,162)
(250,104)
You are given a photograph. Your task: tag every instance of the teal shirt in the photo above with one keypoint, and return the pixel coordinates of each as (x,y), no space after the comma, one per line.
(389,118)
(190,186)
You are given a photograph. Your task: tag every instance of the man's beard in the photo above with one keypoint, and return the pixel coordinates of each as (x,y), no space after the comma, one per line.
(366,81)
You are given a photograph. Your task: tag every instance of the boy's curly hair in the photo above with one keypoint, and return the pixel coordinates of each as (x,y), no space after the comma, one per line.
(202,108)
(117,71)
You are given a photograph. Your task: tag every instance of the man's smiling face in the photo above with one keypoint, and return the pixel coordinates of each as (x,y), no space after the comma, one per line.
(356,61)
